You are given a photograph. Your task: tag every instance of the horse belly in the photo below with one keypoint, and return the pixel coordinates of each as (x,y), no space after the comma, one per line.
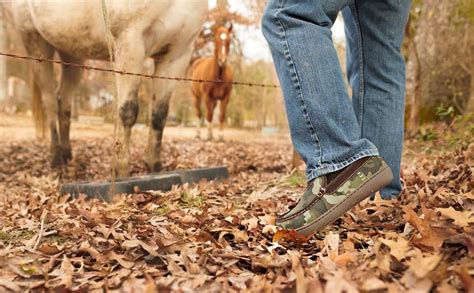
(220,91)
(78,28)
(72,27)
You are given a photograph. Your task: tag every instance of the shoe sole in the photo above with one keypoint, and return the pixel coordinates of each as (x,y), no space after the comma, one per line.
(381,179)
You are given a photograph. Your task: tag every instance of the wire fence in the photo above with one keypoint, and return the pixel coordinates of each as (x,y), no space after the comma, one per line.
(124,72)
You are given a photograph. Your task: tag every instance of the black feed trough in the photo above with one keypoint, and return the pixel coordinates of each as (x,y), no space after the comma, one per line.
(155,181)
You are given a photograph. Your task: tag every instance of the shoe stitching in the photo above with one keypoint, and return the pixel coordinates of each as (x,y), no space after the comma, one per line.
(334,207)
(318,198)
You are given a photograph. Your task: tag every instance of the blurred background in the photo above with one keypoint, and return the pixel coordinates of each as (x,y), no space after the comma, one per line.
(439,47)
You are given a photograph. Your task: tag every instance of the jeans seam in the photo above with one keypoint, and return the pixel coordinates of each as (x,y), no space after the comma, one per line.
(361,65)
(335,166)
(297,84)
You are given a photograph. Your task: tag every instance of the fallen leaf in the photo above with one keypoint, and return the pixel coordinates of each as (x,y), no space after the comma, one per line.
(267,220)
(121,259)
(138,243)
(466,279)
(344,259)
(9,285)
(413,284)
(251,223)
(373,284)
(399,248)
(461,219)
(421,265)
(301,283)
(431,237)
(290,236)
(67,272)
(48,248)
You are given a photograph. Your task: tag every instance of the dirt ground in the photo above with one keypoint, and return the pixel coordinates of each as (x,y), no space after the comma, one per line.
(21,126)
(220,236)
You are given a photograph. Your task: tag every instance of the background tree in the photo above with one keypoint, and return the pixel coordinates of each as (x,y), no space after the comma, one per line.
(440,59)
(3,61)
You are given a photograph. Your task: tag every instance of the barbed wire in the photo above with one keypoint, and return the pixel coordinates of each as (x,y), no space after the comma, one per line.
(123,72)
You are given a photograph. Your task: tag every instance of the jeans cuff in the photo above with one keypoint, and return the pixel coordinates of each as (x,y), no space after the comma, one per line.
(314,173)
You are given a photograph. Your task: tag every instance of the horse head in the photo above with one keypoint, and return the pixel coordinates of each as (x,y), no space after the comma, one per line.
(222,36)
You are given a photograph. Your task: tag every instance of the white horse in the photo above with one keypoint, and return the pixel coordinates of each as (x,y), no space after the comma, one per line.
(162,29)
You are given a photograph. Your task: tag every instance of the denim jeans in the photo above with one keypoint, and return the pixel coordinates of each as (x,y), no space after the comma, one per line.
(329,129)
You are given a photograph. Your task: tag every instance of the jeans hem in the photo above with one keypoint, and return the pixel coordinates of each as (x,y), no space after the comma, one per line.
(314,173)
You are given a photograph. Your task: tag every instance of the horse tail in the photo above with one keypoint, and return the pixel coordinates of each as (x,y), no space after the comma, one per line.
(39,114)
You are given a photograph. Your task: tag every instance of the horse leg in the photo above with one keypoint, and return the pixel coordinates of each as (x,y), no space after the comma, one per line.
(129,56)
(223,108)
(172,64)
(159,113)
(43,78)
(197,105)
(70,78)
(210,106)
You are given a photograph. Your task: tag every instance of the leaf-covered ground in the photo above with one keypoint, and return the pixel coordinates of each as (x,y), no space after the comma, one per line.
(218,236)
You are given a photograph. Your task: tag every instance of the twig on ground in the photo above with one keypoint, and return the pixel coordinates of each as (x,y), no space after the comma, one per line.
(40,234)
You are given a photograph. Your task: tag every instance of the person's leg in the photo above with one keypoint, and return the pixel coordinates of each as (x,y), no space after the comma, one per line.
(323,125)
(376,72)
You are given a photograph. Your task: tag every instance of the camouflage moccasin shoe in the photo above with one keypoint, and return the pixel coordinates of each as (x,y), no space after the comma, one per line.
(329,197)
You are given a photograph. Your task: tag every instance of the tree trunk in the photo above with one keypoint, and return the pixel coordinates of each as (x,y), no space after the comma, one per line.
(3,60)
(470,102)
(442,55)
(413,118)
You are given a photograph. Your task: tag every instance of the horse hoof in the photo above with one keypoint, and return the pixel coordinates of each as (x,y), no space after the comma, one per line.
(57,161)
(122,173)
(154,167)
(67,155)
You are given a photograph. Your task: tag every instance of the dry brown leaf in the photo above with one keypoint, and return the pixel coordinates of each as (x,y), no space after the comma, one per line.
(421,265)
(67,272)
(466,279)
(48,248)
(331,244)
(413,284)
(344,259)
(269,228)
(337,283)
(251,223)
(217,239)
(461,219)
(121,259)
(301,283)
(150,284)
(267,220)
(445,287)
(138,243)
(431,237)
(9,285)
(290,236)
(373,284)
(399,248)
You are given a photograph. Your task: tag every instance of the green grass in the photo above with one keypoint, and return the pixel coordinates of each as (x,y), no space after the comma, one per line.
(162,210)
(189,200)
(58,239)
(4,236)
(295,179)
(15,235)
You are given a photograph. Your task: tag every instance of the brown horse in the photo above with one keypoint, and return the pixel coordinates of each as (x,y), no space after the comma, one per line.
(213,68)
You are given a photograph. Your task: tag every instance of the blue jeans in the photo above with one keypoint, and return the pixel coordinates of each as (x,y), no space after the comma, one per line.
(328,128)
